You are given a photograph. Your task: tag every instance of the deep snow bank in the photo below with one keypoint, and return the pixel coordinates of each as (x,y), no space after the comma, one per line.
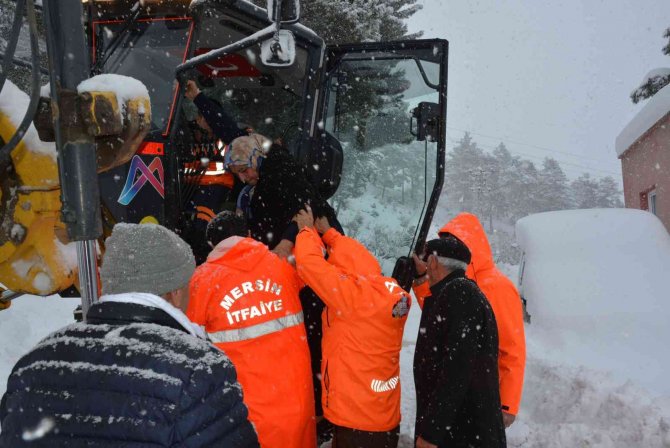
(596,282)
(25,323)
(566,406)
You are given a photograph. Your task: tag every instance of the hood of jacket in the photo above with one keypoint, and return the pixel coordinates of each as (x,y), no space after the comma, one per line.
(467,228)
(239,253)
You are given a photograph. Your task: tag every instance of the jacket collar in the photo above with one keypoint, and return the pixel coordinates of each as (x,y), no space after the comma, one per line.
(437,288)
(150,309)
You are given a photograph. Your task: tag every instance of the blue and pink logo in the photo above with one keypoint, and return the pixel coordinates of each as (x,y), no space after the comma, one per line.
(133,185)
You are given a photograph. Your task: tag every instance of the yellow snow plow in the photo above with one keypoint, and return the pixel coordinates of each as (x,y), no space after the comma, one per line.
(36,256)
(33,244)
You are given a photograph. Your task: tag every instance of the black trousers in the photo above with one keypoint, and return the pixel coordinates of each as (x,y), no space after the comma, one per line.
(312,307)
(353,438)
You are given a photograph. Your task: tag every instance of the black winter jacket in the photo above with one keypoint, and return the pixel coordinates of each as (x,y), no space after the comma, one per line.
(282,191)
(131,377)
(222,124)
(456,368)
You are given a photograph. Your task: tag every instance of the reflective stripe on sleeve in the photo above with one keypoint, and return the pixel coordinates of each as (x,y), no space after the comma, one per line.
(258,330)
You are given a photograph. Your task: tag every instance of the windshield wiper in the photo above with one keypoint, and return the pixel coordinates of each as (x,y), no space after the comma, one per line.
(135,12)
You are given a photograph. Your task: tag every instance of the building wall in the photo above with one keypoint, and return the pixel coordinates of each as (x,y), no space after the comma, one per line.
(646,168)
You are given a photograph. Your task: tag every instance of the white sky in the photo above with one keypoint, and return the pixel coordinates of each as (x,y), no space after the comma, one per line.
(551,74)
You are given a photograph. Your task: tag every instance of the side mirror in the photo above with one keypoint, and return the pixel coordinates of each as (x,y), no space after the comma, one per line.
(279,52)
(427,117)
(284,11)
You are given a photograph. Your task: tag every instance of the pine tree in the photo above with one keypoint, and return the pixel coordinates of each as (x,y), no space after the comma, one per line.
(585,191)
(553,189)
(344,21)
(653,84)
(656,79)
(526,200)
(609,195)
(509,180)
(462,173)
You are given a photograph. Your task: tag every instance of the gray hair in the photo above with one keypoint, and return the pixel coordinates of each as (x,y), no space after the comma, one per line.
(451,263)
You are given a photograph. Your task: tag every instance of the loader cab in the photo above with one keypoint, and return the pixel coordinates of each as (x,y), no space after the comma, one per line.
(367,121)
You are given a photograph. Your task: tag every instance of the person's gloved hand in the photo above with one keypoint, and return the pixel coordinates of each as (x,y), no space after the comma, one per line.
(192,90)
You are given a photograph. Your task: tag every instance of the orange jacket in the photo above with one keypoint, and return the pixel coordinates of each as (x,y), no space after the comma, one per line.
(505,302)
(362,339)
(247,299)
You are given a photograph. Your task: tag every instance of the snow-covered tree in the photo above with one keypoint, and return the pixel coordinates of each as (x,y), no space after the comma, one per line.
(609,195)
(596,193)
(585,191)
(553,188)
(655,80)
(343,21)
(461,167)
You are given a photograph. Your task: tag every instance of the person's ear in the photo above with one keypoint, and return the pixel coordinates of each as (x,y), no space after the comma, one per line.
(432,262)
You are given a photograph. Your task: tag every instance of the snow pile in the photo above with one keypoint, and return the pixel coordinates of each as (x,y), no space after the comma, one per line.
(565,406)
(124,87)
(657,107)
(14,104)
(596,282)
(25,323)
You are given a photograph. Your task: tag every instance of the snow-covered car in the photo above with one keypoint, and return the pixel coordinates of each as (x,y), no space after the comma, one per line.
(597,283)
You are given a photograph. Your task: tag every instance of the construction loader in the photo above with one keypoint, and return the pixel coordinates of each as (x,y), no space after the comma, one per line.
(366,120)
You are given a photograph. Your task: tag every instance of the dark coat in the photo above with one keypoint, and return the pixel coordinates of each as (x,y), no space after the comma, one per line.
(455,368)
(281,192)
(131,377)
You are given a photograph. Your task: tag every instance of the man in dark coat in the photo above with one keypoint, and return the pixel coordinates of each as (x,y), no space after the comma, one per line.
(138,373)
(456,357)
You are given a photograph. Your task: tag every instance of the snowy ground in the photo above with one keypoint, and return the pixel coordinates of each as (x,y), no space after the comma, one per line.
(564,404)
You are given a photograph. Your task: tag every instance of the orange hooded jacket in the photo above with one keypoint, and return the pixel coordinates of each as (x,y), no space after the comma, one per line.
(247,299)
(505,302)
(362,330)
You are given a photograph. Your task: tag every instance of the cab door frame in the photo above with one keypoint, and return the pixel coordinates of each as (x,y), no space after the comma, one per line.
(401,50)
